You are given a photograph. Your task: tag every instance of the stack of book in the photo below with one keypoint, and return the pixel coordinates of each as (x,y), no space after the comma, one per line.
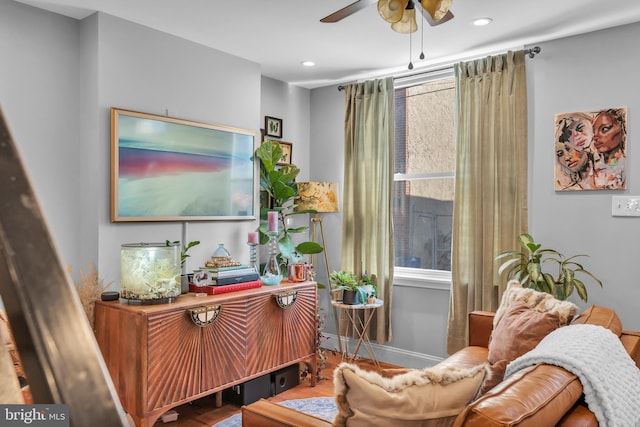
(216,280)
(231,275)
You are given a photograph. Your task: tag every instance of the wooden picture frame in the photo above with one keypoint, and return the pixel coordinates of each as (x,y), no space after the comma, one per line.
(169,169)
(287,151)
(273,126)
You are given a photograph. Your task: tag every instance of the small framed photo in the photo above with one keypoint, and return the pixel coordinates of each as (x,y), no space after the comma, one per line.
(273,127)
(286,152)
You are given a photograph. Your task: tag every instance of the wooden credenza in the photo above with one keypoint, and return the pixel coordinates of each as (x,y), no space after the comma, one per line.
(158,358)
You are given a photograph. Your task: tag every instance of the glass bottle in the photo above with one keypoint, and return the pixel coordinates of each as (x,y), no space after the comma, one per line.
(271,274)
(253,256)
(221,251)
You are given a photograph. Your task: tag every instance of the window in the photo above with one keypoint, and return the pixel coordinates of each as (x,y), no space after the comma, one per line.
(424,174)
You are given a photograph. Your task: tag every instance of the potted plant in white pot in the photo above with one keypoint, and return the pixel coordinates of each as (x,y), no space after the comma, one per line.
(526,266)
(369,288)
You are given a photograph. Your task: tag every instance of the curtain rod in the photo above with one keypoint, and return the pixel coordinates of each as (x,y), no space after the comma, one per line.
(531,52)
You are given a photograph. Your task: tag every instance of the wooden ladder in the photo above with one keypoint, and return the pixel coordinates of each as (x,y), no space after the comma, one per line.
(59,352)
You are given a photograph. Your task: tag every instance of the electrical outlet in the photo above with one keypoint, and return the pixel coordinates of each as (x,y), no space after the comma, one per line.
(625,206)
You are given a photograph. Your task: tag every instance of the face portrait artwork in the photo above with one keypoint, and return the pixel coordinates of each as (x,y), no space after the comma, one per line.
(591,150)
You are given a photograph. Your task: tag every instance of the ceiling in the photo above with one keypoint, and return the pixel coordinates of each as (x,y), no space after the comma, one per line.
(280,34)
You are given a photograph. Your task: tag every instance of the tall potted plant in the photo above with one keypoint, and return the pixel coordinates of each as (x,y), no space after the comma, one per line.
(526,266)
(280,184)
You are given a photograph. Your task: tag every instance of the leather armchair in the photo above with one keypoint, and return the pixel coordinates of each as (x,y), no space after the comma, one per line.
(541,395)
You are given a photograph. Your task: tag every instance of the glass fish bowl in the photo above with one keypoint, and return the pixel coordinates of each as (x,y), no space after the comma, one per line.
(150,273)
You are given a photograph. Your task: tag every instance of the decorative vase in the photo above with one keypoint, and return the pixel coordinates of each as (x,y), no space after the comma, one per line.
(221,251)
(349,297)
(253,256)
(297,272)
(271,274)
(184,283)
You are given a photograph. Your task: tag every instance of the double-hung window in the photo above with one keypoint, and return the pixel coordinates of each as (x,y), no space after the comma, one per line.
(424,176)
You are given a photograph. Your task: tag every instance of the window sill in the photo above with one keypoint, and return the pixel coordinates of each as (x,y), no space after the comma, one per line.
(420,278)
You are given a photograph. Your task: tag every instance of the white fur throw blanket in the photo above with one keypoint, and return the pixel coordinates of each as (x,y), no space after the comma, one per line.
(610,379)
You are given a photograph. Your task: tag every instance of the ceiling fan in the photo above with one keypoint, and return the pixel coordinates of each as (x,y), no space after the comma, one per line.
(400,13)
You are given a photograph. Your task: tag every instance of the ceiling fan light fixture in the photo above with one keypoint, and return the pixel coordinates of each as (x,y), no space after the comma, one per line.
(407,24)
(437,9)
(392,10)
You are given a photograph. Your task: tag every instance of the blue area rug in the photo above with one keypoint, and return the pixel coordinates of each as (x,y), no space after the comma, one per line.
(321,407)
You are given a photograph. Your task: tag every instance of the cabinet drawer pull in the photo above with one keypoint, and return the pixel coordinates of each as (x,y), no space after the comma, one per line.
(205,315)
(286,299)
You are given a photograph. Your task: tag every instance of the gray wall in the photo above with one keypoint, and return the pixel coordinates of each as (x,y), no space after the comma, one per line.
(585,72)
(60,76)
(39,95)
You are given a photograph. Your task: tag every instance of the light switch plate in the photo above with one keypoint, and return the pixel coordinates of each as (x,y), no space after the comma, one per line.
(625,206)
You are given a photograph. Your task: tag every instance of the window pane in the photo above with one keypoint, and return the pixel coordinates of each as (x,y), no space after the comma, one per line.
(424,168)
(422,225)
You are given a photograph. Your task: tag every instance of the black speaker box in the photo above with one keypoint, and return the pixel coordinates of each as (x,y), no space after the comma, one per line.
(285,378)
(248,392)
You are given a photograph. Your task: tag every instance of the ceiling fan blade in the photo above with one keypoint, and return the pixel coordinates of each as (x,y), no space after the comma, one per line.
(447,17)
(347,11)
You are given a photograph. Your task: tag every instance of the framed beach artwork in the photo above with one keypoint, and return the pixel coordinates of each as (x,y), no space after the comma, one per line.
(591,150)
(169,169)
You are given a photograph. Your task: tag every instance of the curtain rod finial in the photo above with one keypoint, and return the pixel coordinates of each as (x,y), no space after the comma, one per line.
(533,51)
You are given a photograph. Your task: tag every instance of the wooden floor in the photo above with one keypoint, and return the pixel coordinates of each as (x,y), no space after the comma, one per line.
(203,413)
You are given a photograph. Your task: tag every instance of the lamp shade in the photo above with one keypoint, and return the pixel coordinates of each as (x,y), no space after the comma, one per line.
(392,10)
(318,196)
(408,22)
(436,8)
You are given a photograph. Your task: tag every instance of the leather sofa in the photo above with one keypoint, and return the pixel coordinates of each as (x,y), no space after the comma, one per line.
(540,395)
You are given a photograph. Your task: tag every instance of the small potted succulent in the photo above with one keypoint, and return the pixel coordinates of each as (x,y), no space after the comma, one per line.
(347,283)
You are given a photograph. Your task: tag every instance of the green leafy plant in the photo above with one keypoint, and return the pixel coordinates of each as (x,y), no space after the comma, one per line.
(183,254)
(526,266)
(367,282)
(341,280)
(345,281)
(280,183)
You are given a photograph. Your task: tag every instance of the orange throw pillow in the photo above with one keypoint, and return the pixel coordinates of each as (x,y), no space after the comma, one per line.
(519,330)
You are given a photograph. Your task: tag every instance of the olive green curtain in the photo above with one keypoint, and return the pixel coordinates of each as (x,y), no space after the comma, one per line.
(367,237)
(490,206)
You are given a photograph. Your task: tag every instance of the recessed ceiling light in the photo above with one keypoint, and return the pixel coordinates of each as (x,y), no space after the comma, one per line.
(480,22)
(308,63)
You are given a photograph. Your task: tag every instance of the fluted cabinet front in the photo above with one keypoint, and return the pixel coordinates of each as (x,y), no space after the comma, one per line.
(224,343)
(173,367)
(161,356)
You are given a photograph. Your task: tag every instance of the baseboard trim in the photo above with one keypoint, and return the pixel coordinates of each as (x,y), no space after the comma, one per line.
(384,353)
